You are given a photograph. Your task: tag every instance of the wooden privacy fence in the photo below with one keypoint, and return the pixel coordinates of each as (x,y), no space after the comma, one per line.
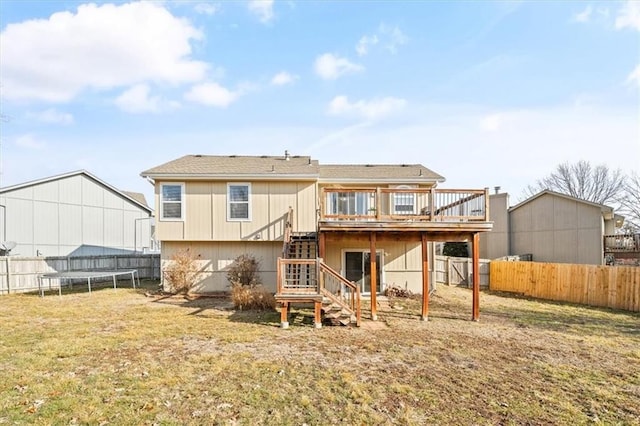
(20,274)
(615,287)
(459,271)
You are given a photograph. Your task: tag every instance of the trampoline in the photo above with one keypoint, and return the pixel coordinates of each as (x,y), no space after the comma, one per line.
(85,275)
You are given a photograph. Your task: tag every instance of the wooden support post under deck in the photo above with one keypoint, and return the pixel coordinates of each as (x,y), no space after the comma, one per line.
(318,314)
(425,279)
(476,277)
(374,277)
(322,244)
(284,321)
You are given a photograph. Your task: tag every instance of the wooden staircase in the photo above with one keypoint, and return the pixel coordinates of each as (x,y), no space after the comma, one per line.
(303,245)
(336,314)
(304,278)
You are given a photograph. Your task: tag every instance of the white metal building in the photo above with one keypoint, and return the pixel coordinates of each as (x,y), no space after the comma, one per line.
(74,214)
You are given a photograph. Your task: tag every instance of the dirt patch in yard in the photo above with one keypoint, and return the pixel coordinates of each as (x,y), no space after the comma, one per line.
(118,355)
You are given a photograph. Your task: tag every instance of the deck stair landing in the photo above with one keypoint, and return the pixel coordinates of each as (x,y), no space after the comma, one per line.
(303,278)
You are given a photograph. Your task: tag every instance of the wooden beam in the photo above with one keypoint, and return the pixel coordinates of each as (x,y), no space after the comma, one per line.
(476,277)
(425,279)
(322,245)
(317,305)
(284,321)
(374,276)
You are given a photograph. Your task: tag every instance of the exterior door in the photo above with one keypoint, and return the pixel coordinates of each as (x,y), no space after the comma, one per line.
(357,268)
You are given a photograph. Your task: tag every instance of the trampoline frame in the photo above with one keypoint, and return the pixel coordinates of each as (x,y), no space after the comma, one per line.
(88,275)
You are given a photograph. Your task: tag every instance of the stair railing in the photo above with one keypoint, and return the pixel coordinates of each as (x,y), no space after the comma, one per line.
(339,290)
(296,276)
(288,227)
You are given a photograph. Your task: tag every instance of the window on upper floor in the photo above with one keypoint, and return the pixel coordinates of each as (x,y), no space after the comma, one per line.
(172,201)
(404,202)
(239,201)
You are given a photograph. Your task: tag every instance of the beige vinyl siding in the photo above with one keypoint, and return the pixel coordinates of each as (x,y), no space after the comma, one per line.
(215,258)
(198,224)
(402,261)
(495,244)
(559,230)
(206,212)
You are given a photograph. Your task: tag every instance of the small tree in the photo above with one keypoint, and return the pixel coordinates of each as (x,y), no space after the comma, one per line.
(455,249)
(182,272)
(244,271)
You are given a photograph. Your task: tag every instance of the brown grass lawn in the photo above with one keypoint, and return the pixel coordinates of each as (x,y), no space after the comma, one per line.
(119,357)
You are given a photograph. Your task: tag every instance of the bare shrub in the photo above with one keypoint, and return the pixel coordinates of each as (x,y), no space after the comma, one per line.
(252,297)
(245,271)
(247,291)
(395,291)
(182,272)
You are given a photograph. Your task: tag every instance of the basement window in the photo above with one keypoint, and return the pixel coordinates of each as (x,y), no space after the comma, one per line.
(172,201)
(238,202)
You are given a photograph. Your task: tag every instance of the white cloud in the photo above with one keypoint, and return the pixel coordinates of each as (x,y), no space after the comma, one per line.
(584,16)
(263,9)
(283,78)
(53,116)
(392,37)
(29,141)
(330,67)
(373,109)
(634,76)
(97,47)
(137,100)
(386,36)
(365,42)
(209,9)
(211,94)
(492,122)
(629,16)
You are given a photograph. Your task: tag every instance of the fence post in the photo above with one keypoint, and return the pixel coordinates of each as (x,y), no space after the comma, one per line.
(448,270)
(8,263)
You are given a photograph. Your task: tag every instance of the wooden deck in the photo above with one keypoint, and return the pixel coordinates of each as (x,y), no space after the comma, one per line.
(435,211)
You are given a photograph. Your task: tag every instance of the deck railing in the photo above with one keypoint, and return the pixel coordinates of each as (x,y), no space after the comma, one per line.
(622,243)
(313,276)
(402,204)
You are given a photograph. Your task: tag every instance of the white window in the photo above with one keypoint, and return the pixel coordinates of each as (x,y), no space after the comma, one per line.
(404,202)
(239,201)
(172,201)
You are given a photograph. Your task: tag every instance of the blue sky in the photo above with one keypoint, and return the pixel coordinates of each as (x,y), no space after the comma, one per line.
(494,93)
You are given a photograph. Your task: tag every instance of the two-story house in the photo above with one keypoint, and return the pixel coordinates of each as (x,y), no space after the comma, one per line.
(318,230)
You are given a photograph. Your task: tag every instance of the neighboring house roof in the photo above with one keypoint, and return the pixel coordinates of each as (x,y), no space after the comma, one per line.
(378,172)
(286,167)
(606,210)
(141,203)
(138,196)
(237,166)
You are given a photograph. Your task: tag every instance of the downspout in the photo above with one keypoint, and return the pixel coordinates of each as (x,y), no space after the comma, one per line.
(4,222)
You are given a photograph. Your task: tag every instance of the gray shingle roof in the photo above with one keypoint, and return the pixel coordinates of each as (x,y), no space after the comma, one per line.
(378,172)
(137,196)
(217,165)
